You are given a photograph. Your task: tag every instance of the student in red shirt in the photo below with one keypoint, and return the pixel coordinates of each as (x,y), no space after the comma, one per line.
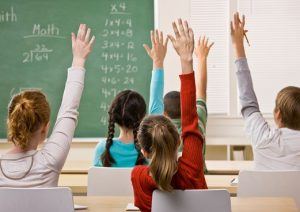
(159,138)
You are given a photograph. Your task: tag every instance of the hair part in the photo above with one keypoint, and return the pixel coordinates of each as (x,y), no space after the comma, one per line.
(127,110)
(159,137)
(28,111)
(288,103)
(172,105)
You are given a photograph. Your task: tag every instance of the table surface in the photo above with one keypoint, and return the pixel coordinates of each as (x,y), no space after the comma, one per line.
(78,182)
(117,204)
(213,166)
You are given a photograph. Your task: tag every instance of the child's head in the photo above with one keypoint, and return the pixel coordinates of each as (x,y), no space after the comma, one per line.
(172,105)
(287,109)
(28,116)
(159,141)
(127,110)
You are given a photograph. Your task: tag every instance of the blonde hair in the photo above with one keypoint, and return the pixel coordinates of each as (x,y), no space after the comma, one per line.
(27,112)
(159,137)
(288,103)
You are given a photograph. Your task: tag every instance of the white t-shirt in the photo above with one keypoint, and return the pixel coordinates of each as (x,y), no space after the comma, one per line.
(41,168)
(273,148)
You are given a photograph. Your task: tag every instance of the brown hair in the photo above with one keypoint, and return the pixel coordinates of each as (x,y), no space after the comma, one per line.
(172,105)
(27,111)
(159,137)
(127,110)
(288,103)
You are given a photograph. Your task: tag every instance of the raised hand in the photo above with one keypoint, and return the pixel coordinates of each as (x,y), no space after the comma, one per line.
(183,43)
(237,34)
(159,48)
(202,48)
(81,45)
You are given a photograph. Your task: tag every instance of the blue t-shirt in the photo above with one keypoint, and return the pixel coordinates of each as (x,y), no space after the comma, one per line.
(125,155)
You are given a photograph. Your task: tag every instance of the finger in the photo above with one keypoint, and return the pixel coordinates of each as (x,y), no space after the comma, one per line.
(156,38)
(175,29)
(199,41)
(191,34)
(83,32)
(161,37)
(79,31)
(172,39)
(166,42)
(181,29)
(186,27)
(87,36)
(152,37)
(206,42)
(203,39)
(243,21)
(231,27)
(92,41)
(147,48)
(236,21)
(73,39)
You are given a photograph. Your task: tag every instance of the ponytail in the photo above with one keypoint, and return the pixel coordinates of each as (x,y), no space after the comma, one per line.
(106,158)
(27,112)
(159,137)
(140,158)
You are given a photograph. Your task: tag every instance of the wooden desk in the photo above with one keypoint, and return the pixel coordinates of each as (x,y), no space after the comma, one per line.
(78,182)
(228,167)
(117,204)
(214,167)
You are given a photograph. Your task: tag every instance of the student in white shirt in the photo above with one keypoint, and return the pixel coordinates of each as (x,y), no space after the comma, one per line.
(28,125)
(274,148)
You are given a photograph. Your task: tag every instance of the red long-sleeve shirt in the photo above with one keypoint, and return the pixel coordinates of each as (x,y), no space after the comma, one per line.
(190,174)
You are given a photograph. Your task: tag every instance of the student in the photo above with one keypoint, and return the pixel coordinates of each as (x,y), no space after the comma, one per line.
(28,125)
(274,148)
(170,104)
(127,111)
(159,139)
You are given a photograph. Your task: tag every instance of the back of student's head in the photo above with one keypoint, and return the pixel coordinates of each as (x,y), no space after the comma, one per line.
(159,138)
(126,110)
(288,103)
(28,111)
(172,105)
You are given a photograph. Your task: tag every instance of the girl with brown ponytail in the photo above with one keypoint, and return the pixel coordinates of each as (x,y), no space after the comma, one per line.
(28,125)
(126,111)
(159,139)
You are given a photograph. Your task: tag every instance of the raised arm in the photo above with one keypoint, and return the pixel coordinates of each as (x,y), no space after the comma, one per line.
(191,162)
(201,52)
(56,149)
(248,98)
(256,125)
(157,53)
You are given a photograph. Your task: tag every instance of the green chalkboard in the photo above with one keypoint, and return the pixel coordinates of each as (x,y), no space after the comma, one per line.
(35,52)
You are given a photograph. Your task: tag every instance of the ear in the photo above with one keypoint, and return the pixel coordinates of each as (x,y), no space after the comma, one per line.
(277,117)
(145,153)
(45,129)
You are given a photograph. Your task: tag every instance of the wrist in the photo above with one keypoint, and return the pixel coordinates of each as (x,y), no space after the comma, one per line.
(186,66)
(202,59)
(158,64)
(78,62)
(240,50)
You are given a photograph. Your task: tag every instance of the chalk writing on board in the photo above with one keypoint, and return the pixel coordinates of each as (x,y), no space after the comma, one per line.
(119,61)
(8,15)
(38,54)
(49,31)
(118,9)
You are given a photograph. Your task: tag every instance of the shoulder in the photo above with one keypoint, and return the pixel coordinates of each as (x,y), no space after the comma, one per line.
(100,147)
(139,171)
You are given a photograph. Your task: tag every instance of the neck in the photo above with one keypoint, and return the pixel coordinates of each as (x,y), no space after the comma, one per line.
(126,135)
(32,145)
